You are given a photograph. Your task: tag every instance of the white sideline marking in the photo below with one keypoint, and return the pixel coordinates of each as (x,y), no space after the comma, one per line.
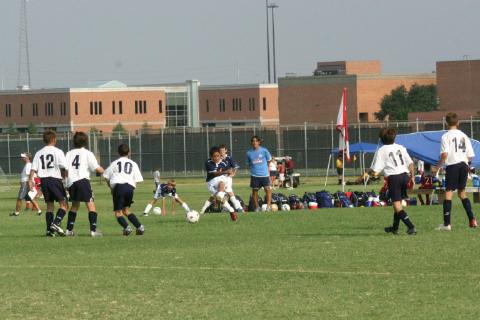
(223,269)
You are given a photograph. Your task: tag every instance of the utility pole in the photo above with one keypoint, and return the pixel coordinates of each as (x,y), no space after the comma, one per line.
(23,74)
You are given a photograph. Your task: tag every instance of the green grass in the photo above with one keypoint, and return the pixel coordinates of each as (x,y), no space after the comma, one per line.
(326,264)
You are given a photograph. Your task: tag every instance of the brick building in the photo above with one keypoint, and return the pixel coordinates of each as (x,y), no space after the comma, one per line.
(101,107)
(239,105)
(317,98)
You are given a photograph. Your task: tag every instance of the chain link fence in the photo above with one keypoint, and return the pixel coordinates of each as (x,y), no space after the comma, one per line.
(183,151)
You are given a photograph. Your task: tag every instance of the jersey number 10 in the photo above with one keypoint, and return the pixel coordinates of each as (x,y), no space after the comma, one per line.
(127,168)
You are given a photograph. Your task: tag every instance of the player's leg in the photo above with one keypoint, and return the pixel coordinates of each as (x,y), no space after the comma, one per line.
(233,214)
(212,189)
(49,216)
(92,219)
(182,203)
(59,194)
(173,206)
(123,222)
(149,206)
(451,184)
(164,211)
(229,189)
(472,221)
(36,206)
(397,186)
(206,205)
(268,192)
(134,220)
(255,186)
(420,198)
(72,217)
(22,195)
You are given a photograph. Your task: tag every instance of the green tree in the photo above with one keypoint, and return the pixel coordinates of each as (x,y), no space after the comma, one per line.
(401,101)
(12,128)
(32,128)
(119,129)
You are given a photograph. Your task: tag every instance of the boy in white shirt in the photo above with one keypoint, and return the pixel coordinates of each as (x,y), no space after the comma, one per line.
(80,163)
(396,165)
(122,176)
(24,187)
(455,152)
(50,166)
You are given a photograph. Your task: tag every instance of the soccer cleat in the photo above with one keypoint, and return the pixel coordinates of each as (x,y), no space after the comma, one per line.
(412,231)
(240,210)
(69,233)
(96,234)
(140,231)
(50,234)
(39,212)
(473,223)
(57,229)
(14,214)
(127,231)
(443,227)
(233,216)
(145,214)
(391,230)
(258,209)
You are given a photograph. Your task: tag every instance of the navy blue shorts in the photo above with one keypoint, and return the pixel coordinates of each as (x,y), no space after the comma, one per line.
(53,189)
(259,182)
(456,176)
(397,186)
(81,191)
(122,196)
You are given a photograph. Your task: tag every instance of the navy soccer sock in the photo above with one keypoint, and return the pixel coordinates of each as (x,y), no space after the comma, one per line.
(48,219)
(447,210)
(72,216)
(122,222)
(468,208)
(396,221)
(134,220)
(60,214)
(92,218)
(405,219)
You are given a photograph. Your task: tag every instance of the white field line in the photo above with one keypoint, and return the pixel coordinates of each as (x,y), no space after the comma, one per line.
(226,269)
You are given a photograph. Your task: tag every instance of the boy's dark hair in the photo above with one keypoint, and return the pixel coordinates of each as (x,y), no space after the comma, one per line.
(388,135)
(223,146)
(123,150)
(80,139)
(48,136)
(255,137)
(213,150)
(451,119)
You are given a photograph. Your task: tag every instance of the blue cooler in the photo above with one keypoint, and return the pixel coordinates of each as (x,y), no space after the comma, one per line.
(476,181)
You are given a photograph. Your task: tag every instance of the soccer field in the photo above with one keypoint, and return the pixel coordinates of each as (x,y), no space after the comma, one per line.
(323,264)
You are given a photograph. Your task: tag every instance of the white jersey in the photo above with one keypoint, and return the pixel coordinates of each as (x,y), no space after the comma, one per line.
(156,176)
(80,162)
(25,172)
(272,166)
(392,159)
(123,170)
(458,147)
(48,161)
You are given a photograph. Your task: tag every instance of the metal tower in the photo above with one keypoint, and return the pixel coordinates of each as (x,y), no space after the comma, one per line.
(23,74)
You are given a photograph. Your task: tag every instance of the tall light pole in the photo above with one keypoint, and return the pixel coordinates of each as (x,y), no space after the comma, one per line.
(268,42)
(273,6)
(23,75)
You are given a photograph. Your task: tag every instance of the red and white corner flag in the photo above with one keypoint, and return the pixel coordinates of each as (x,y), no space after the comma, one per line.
(342,126)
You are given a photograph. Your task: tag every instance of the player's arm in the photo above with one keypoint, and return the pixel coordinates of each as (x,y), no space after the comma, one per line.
(33,171)
(444,149)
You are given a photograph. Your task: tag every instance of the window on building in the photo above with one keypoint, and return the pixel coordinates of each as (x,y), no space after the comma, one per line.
(35,109)
(144,106)
(91,108)
(120,107)
(100,107)
(8,110)
(76,108)
(264,104)
(176,109)
(113,107)
(208,106)
(160,106)
(363,116)
(251,104)
(222,105)
(136,106)
(63,108)
(239,104)
(21,110)
(96,107)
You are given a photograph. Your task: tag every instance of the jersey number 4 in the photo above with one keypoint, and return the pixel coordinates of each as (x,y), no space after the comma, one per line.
(49,161)
(391,155)
(76,161)
(127,167)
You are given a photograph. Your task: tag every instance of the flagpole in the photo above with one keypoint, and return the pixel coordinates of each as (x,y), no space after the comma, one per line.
(343,165)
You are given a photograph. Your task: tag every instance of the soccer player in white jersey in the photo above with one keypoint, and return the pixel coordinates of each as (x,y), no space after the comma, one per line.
(122,176)
(24,187)
(50,166)
(455,152)
(233,165)
(80,163)
(397,167)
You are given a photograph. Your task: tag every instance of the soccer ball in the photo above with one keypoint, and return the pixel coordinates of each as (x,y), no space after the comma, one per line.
(274,207)
(193,216)
(157,211)
(285,207)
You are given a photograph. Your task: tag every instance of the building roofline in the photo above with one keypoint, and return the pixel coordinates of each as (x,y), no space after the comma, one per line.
(97,90)
(239,86)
